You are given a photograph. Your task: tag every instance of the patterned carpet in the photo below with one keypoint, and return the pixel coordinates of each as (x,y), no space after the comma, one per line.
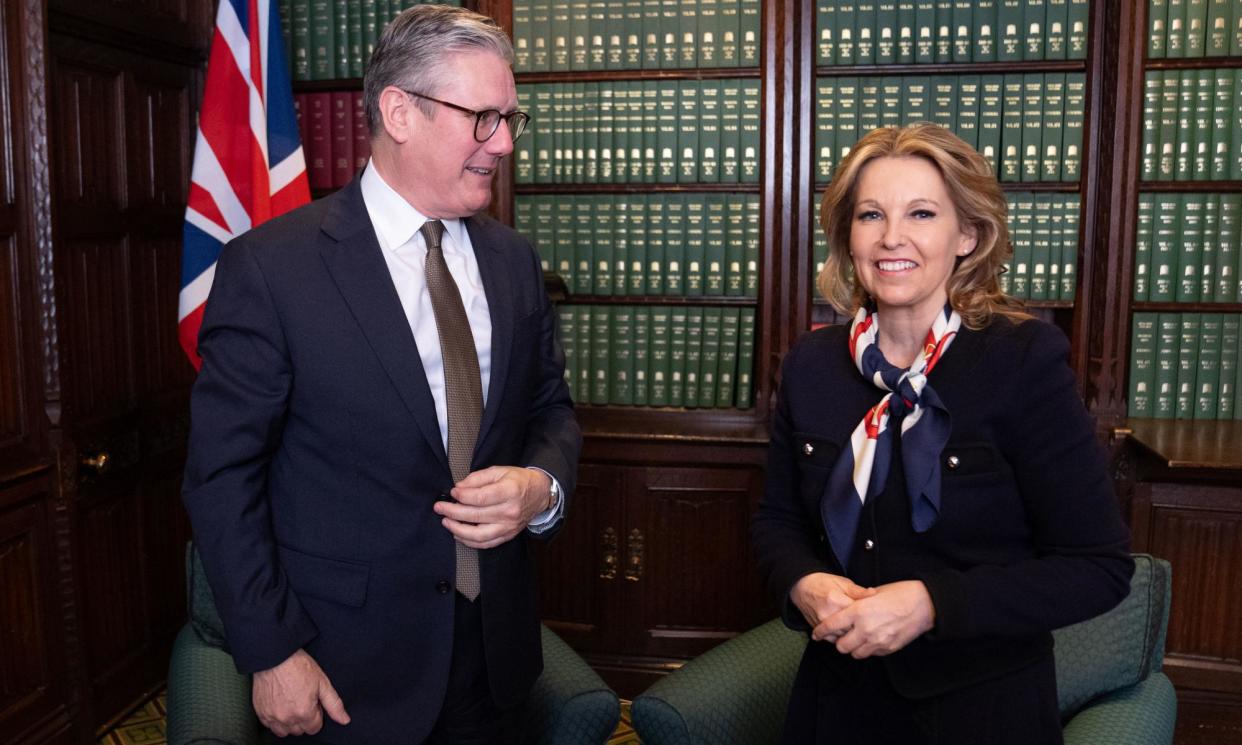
(146,726)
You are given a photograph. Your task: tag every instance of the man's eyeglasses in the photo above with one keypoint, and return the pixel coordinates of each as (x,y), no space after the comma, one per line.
(487,121)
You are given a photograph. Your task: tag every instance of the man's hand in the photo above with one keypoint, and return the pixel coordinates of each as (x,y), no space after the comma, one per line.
(894,616)
(495,504)
(290,699)
(820,595)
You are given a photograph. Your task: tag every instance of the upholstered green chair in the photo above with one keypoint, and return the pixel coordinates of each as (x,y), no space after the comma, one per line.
(209,701)
(1109,679)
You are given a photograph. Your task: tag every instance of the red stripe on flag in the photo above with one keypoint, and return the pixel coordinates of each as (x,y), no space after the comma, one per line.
(256,50)
(187,331)
(295,194)
(225,123)
(201,201)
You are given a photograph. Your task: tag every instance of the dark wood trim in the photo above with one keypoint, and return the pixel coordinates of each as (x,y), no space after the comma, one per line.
(953,68)
(594,76)
(697,300)
(1191,186)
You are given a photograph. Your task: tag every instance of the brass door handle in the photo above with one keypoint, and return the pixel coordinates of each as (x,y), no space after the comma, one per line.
(609,556)
(98,462)
(634,556)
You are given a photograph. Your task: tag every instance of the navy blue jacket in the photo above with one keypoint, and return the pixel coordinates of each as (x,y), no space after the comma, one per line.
(1029,537)
(315,459)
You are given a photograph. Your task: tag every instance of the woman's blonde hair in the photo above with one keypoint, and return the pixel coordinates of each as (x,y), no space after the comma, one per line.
(974,285)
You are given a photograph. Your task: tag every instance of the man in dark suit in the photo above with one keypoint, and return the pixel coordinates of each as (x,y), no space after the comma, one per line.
(381,421)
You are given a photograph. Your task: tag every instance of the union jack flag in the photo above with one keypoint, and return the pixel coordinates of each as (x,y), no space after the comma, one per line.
(248,161)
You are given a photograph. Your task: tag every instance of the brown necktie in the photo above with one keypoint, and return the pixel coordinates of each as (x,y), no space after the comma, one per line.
(463,387)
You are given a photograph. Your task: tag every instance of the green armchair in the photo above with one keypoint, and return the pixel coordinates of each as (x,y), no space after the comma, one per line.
(1109,679)
(209,701)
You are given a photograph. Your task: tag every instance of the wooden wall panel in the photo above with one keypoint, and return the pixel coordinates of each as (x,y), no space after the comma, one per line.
(87,116)
(95,327)
(14,408)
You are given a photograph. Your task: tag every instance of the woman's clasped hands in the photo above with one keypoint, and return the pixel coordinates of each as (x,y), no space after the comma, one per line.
(863,621)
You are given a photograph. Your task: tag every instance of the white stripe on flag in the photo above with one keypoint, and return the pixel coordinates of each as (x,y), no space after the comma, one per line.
(195,293)
(209,175)
(200,221)
(287,170)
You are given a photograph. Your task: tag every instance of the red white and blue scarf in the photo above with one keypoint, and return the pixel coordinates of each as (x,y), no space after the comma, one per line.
(862,469)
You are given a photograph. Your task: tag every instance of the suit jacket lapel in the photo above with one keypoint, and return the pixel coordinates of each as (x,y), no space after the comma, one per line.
(353,259)
(495,273)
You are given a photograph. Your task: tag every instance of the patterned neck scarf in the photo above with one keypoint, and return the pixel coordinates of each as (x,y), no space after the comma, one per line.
(862,469)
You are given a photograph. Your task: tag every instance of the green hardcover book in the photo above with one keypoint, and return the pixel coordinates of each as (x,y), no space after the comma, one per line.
(1228,248)
(322,40)
(688,120)
(726,363)
(621,357)
(1222,136)
(1079,15)
(735,246)
(1207,254)
(636,277)
(1023,217)
(709,32)
(1219,15)
(285,11)
(1235,50)
(340,38)
(620,131)
(1057,257)
(826,31)
(677,356)
(925,31)
(1056,30)
(633,35)
(577,131)
(1157,20)
(847,116)
(614,36)
(1184,398)
(694,356)
(300,35)
(524,215)
(563,257)
(1168,337)
(688,29)
(592,156)
(670,37)
(750,284)
(1236,170)
(1142,245)
(1165,244)
(916,100)
(1190,220)
(1142,365)
(605,235)
(695,246)
(524,149)
(907,13)
(1069,248)
(749,23)
(847,30)
(559,122)
(579,34)
(1166,149)
(1074,126)
(567,335)
(597,42)
(540,35)
(658,377)
(864,32)
(1041,247)
(1201,126)
(1009,266)
(650,92)
(730,130)
(607,124)
(825,127)
(709,361)
(745,357)
(1032,124)
(944,30)
(354,19)
(1175,46)
(655,245)
(991,88)
(963,22)
(674,244)
(730,33)
(890,101)
(540,95)
(1011,128)
(1229,344)
(869,102)
(634,139)
(886,32)
(1009,30)
(750,131)
(583,323)
(714,245)
(666,132)
(1207,379)
(968,87)
(559,29)
(710,120)
(641,332)
(819,249)
(1054,115)
(1034,39)
(1151,126)
(653,34)
(1196,27)
(984,31)
(586,211)
(543,209)
(601,354)
(621,243)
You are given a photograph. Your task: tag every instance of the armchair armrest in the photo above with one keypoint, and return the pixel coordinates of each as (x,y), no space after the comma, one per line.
(570,703)
(208,700)
(1142,714)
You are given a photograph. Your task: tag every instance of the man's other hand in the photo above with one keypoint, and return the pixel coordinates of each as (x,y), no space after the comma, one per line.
(495,504)
(290,699)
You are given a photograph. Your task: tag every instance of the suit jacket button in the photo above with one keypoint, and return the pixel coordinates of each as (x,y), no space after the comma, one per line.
(443,587)
(953,462)
(808,448)
(869,545)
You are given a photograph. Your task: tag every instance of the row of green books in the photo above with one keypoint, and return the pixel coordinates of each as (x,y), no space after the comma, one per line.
(1194,28)
(1192,125)
(331,39)
(572,35)
(1187,248)
(1185,366)
(647,244)
(1028,126)
(658,355)
(863,32)
(653,131)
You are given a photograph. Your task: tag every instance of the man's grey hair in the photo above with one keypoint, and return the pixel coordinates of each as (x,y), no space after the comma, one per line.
(412,51)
